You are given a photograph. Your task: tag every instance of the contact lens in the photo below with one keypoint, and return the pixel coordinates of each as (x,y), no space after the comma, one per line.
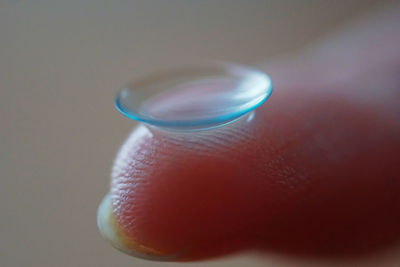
(194,96)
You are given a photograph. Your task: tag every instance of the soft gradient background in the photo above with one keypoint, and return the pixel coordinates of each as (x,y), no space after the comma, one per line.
(61,62)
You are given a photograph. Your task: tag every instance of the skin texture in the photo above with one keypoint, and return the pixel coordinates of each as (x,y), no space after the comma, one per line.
(314,172)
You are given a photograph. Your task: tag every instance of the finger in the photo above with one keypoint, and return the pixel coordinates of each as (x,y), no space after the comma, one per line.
(311,171)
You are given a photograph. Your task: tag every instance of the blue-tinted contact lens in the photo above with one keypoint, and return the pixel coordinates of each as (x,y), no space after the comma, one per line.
(194,96)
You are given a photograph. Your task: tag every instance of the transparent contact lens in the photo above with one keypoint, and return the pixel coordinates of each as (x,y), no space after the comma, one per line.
(199,96)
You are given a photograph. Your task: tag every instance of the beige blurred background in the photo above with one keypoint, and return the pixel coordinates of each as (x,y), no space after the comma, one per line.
(61,62)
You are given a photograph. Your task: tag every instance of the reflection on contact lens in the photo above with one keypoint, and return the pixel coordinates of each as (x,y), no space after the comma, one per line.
(194,97)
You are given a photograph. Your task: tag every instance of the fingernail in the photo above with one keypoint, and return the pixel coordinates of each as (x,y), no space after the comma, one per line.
(112,233)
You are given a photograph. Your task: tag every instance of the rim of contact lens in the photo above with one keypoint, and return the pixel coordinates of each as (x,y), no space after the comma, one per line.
(194,96)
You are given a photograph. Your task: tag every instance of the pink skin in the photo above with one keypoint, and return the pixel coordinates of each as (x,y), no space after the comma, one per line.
(315,172)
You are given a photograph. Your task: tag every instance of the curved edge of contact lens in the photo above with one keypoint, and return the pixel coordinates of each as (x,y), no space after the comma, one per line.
(193,124)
